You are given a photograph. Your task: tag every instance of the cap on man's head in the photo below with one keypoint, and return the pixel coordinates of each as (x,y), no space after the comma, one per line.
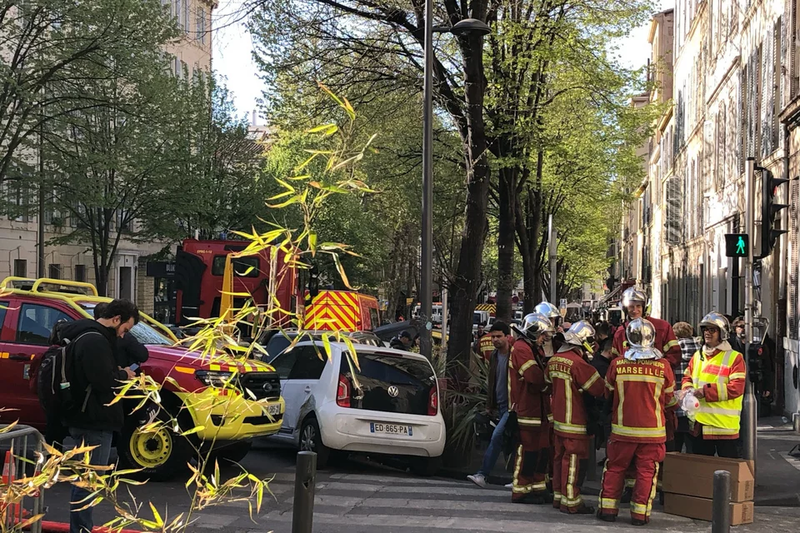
(405,335)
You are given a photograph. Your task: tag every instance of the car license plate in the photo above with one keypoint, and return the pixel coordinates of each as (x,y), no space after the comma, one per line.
(390,429)
(274,410)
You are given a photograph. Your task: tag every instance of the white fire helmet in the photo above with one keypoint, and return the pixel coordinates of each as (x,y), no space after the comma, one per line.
(641,334)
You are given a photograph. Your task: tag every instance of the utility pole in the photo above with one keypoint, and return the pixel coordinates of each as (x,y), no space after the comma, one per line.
(40,217)
(552,235)
(445,325)
(749,412)
(426,266)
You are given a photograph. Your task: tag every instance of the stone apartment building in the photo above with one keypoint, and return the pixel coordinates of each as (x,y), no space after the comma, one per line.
(735,94)
(128,279)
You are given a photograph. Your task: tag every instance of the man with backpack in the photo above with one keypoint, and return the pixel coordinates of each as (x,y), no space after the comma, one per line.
(93,377)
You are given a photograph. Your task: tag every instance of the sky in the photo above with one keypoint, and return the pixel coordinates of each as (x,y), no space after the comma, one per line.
(232,55)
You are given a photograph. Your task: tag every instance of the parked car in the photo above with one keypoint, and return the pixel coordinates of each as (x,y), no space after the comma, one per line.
(231,419)
(387,404)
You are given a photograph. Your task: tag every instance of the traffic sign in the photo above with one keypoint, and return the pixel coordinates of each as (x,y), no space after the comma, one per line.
(737,244)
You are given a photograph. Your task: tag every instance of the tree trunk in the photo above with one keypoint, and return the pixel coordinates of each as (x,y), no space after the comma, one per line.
(535,199)
(467,277)
(505,244)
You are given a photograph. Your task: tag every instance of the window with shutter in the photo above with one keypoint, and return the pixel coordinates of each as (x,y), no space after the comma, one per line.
(765,96)
(793,55)
(743,111)
(777,96)
(719,170)
(794,261)
(674,203)
(752,105)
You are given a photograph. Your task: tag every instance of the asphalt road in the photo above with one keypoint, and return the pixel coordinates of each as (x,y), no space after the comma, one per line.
(361,496)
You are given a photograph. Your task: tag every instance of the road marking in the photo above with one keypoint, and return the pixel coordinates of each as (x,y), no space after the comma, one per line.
(406,480)
(555,521)
(794,461)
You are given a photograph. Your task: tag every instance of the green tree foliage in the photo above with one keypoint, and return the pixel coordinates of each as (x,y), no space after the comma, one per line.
(51,51)
(220,181)
(545,61)
(383,227)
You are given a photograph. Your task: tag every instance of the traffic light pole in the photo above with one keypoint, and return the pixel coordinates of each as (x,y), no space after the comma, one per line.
(749,411)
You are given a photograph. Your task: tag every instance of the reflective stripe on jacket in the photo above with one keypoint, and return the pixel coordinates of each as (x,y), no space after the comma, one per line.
(570,377)
(527,389)
(641,392)
(722,378)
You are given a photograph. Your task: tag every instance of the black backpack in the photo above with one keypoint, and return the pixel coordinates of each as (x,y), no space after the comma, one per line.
(53,377)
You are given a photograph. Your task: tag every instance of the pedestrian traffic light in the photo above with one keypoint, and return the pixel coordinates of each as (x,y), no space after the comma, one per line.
(737,244)
(770,231)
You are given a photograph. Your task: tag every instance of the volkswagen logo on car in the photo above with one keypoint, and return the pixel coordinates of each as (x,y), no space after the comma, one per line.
(393,391)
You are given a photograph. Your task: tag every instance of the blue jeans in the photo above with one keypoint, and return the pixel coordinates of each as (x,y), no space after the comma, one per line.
(81,521)
(495,446)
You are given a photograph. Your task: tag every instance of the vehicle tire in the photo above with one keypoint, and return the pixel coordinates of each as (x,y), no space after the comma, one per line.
(311,441)
(158,454)
(426,466)
(233,453)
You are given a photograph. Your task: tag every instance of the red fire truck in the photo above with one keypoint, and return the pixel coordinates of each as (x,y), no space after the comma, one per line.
(199,273)
(199,269)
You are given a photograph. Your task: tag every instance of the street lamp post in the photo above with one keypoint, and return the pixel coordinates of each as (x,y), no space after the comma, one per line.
(463,27)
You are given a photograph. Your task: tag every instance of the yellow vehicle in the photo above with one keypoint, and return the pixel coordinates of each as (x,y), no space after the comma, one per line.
(224,401)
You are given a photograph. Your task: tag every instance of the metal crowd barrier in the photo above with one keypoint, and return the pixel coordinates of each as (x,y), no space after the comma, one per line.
(14,447)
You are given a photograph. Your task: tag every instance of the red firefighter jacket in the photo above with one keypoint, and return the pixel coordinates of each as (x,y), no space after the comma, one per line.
(666,341)
(527,389)
(642,393)
(570,375)
(485,346)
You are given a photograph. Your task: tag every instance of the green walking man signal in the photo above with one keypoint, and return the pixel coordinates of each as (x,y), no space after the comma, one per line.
(737,244)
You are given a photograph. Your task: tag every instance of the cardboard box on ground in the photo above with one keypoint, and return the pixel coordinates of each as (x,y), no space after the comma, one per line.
(700,508)
(688,486)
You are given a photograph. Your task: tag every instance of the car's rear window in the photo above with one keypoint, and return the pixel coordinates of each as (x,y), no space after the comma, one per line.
(389,383)
(391,369)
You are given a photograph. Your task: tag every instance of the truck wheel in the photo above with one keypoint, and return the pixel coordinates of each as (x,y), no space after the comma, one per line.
(159,454)
(311,441)
(233,453)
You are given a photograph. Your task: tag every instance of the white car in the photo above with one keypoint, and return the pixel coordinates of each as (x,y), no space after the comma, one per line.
(388,404)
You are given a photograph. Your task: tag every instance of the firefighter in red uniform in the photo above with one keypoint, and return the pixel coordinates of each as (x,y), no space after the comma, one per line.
(570,376)
(529,400)
(634,302)
(641,389)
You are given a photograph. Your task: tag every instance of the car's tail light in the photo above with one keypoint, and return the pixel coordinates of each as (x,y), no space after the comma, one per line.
(343,392)
(433,402)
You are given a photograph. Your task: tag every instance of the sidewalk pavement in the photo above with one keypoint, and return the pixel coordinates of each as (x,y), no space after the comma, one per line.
(777,473)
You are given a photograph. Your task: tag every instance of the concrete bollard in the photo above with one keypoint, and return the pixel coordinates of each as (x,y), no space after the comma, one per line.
(721,505)
(304,489)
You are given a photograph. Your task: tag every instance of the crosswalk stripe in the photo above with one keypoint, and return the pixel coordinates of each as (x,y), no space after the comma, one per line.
(388,480)
(459,489)
(586,523)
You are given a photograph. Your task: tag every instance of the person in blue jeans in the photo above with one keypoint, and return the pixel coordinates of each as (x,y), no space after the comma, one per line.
(497,399)
(94,376)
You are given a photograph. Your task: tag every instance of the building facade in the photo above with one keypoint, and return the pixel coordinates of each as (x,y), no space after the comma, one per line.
(735,95)
(19,231)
